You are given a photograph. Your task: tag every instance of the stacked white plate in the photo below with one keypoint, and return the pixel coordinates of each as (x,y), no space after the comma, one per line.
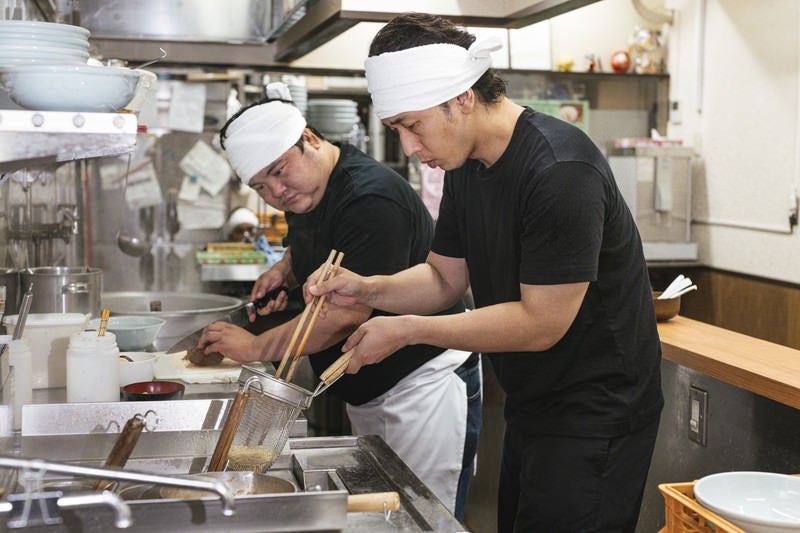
(333,116)
(299,96)
(23,42)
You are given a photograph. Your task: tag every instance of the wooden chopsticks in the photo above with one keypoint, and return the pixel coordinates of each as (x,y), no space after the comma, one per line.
(293,351)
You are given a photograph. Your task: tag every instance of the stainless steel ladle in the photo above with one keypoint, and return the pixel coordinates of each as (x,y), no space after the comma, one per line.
(133,246)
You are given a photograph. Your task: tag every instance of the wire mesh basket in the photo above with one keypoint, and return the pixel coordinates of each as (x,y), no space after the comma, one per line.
(269,415)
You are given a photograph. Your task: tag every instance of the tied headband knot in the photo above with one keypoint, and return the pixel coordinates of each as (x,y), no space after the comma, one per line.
(261,134)
(431,75)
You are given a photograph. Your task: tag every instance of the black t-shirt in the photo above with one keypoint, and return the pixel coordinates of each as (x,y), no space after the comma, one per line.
(549,212)
(372,215)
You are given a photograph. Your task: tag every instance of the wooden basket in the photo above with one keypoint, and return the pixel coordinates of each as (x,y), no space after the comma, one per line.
(684,514)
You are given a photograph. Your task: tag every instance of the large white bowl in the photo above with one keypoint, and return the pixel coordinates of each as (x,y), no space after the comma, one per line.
(758,502)
(70,87)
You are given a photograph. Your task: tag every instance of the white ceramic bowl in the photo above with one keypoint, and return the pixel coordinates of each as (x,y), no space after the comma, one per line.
(758,502)
(27,38)
(43,28)
(70,87)
(132,332)
(141,368)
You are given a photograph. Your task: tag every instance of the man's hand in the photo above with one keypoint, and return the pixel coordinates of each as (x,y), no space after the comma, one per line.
(231,341)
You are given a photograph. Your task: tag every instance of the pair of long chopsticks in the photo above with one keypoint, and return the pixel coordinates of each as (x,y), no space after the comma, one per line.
(312,309)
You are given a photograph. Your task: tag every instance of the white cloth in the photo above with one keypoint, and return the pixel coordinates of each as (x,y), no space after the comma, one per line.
(260,135)
(425,76)
(424,420)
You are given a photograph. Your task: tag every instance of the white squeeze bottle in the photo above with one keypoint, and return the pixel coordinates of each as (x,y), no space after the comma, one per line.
(92,368)
(20,360)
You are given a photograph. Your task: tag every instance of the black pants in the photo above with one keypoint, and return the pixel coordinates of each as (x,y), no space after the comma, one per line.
(575,485)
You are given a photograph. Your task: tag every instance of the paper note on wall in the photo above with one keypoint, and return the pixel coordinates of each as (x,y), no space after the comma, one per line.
(187,107)
(212,170)
(207,212)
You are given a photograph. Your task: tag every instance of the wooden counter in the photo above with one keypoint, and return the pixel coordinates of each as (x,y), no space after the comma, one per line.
(761,367)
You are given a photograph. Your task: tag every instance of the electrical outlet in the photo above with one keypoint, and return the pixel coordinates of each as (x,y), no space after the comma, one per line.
(675,114)
(698,415)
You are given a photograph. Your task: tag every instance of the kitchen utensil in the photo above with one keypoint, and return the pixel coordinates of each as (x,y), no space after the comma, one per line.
(92,368)
(252,483)
(123,447)
(135,367)
(70,87)
(61,289)
(133,246)
(48,336)
(330,266)
(153,391)
(240,484)
(133,332)
(155,60)
(666,308)
(239,316)
(183,311)
(757,502)
(23,312)
(103,322)
(268,415)
(220,456)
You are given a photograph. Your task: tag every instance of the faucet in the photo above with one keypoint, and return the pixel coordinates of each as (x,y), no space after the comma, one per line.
(39,467)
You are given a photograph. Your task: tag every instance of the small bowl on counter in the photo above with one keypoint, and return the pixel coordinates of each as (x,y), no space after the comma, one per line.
(134,333)
(136,367)
(667,308)
(149,391)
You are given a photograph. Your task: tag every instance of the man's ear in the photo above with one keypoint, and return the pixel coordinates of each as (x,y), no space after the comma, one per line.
(466,101)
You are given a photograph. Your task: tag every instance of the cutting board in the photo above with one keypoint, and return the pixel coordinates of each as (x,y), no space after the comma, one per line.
(175,366)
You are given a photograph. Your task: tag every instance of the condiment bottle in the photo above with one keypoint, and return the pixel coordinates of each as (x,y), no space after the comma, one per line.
(20,360)
(92,367)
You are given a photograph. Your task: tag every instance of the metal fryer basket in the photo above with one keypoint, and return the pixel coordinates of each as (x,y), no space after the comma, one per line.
(272,409)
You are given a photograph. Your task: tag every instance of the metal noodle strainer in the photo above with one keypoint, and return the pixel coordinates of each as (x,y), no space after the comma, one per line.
(269,415)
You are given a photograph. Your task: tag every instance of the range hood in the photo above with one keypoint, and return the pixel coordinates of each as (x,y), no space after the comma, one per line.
(326,19)
(274,32)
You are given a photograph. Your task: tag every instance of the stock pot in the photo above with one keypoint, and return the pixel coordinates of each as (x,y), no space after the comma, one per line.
(64,289)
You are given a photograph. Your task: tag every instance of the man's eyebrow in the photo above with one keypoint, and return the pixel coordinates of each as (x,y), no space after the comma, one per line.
(396,121)
(272,166)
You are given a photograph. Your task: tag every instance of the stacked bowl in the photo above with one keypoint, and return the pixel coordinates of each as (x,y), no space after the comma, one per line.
(43,66)
(333,116)
(24,42)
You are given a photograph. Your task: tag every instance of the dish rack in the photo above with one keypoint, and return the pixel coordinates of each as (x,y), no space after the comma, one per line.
(684,514)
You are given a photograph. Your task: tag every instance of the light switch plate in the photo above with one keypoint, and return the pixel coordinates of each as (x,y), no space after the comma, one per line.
(698,415)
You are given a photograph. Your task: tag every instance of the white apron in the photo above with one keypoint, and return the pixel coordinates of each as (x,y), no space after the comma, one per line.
(424,419)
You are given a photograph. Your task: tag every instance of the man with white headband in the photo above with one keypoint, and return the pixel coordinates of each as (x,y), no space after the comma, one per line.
(532,220)
(336,197)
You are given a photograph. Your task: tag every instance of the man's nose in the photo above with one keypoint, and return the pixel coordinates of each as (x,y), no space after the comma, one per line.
(409,143)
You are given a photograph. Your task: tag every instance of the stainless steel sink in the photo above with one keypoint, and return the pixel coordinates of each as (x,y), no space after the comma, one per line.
(326,471)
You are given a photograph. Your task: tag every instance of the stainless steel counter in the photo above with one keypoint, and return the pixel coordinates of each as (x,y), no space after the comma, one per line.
(182,437)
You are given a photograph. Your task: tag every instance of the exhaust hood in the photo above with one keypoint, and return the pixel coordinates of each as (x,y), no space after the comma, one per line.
(274,32)
(327,18)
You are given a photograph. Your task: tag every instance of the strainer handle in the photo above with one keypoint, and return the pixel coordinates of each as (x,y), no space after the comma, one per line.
(373,502)
(333,372)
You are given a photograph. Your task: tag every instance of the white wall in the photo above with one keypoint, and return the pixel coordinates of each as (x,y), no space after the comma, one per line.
(740,110)
(743,123)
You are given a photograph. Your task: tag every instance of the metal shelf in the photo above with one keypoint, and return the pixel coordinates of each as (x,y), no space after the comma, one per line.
(33,138)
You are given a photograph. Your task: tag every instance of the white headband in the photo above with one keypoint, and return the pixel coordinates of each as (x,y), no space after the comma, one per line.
(261,135)
(425,76)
